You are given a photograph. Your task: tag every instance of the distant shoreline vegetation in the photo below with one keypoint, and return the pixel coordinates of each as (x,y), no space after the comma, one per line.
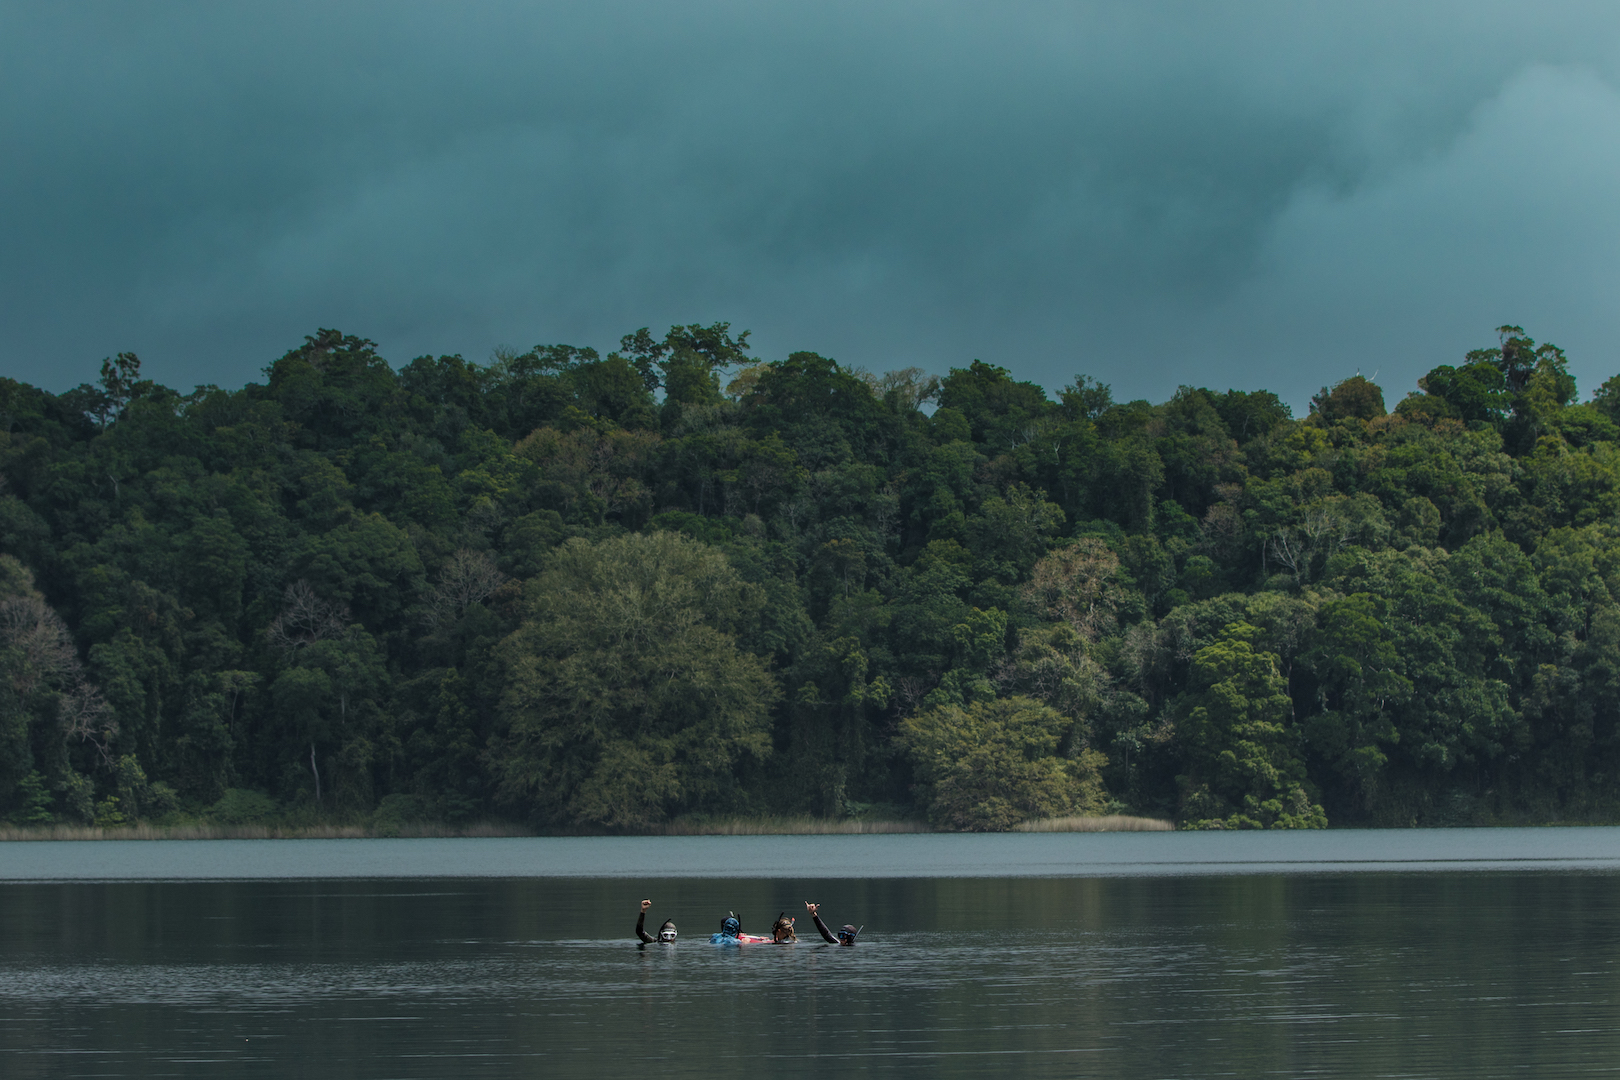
(797,826)
(675,589)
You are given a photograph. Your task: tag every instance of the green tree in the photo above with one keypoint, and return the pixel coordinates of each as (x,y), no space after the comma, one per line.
(987,766)
(1473,392)
(1355,398)
(999,410)
(1243,771)
(627,695)
(1358,686)
(1438,589)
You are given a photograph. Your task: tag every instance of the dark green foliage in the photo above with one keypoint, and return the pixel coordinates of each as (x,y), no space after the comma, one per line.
(594,591)
(627,695)
(1476,392)
(241,807)
(1243,771)
(1355,398)
(992,764)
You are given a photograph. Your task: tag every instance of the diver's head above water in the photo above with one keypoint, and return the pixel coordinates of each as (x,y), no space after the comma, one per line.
(847,934)
(730,926)
(782,929)
(666,933)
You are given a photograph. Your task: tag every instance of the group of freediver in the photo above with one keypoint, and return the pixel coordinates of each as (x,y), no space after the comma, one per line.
(731,932)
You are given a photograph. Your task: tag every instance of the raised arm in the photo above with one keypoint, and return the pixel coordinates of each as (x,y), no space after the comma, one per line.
(815,915)
(641,924)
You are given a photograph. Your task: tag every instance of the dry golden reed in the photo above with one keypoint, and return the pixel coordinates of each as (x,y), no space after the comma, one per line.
(1099,823)
(759,826)
(254,832)
(787,826)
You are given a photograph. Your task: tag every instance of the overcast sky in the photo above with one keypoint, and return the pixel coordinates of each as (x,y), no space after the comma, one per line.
(1229,195)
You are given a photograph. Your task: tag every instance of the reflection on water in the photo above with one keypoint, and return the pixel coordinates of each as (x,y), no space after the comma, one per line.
(1374,974)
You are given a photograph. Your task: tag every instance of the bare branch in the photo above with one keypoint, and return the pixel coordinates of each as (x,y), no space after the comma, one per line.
(911,386)
(86,716)
(1288,550)
(305,618)
(467,579)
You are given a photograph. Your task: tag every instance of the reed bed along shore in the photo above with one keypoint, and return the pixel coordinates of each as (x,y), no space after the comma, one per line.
(1100,823)
(785,826)
(788,826)
(760,826)
(204,831)
(809,826)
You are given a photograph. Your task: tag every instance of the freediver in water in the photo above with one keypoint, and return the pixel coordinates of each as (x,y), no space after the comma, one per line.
(666,933)
(731,932)
(846,933)
(782,931)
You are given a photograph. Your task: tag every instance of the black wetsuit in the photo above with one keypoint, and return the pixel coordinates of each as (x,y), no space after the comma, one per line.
(641,929)
(826,934)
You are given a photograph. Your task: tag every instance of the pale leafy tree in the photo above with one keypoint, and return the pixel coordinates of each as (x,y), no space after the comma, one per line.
(41,666)
(1050,663)
(43,643)
(1079,584)
(48,658)
(742,384)
(626,692)
(909,388)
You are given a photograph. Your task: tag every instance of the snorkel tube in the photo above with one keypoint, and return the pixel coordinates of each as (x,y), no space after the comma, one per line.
(731,933)
(848,933)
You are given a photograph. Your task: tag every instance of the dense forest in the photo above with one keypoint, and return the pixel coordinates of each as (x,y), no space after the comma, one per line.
(597,593)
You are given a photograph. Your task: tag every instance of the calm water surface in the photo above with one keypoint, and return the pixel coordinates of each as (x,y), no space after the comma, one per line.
(1489,953)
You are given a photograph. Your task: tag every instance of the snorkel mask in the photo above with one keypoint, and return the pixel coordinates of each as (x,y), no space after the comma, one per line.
(782,929)
(847,934)
(666,933)
(730,926)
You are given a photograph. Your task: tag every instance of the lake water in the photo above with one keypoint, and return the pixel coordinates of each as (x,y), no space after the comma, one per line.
(1461,953)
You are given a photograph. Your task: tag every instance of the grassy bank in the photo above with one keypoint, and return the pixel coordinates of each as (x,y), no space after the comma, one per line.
(788,826)
(753,826)
(810,826)
(785,826)
(203,831)
(1099,823)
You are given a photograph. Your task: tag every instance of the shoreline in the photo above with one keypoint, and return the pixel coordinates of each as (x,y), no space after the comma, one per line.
(762,826)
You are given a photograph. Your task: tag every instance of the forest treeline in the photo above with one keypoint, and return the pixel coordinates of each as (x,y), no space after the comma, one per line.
(597,592)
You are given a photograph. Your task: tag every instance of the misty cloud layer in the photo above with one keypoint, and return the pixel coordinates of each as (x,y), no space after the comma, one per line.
(1231,196)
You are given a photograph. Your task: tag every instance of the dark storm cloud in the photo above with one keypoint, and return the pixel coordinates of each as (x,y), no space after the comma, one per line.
(1223,195)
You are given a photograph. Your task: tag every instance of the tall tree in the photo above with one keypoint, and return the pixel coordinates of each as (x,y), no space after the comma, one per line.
(627,695)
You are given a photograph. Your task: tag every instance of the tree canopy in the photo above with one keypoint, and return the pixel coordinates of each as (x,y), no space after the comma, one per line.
(594,591)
